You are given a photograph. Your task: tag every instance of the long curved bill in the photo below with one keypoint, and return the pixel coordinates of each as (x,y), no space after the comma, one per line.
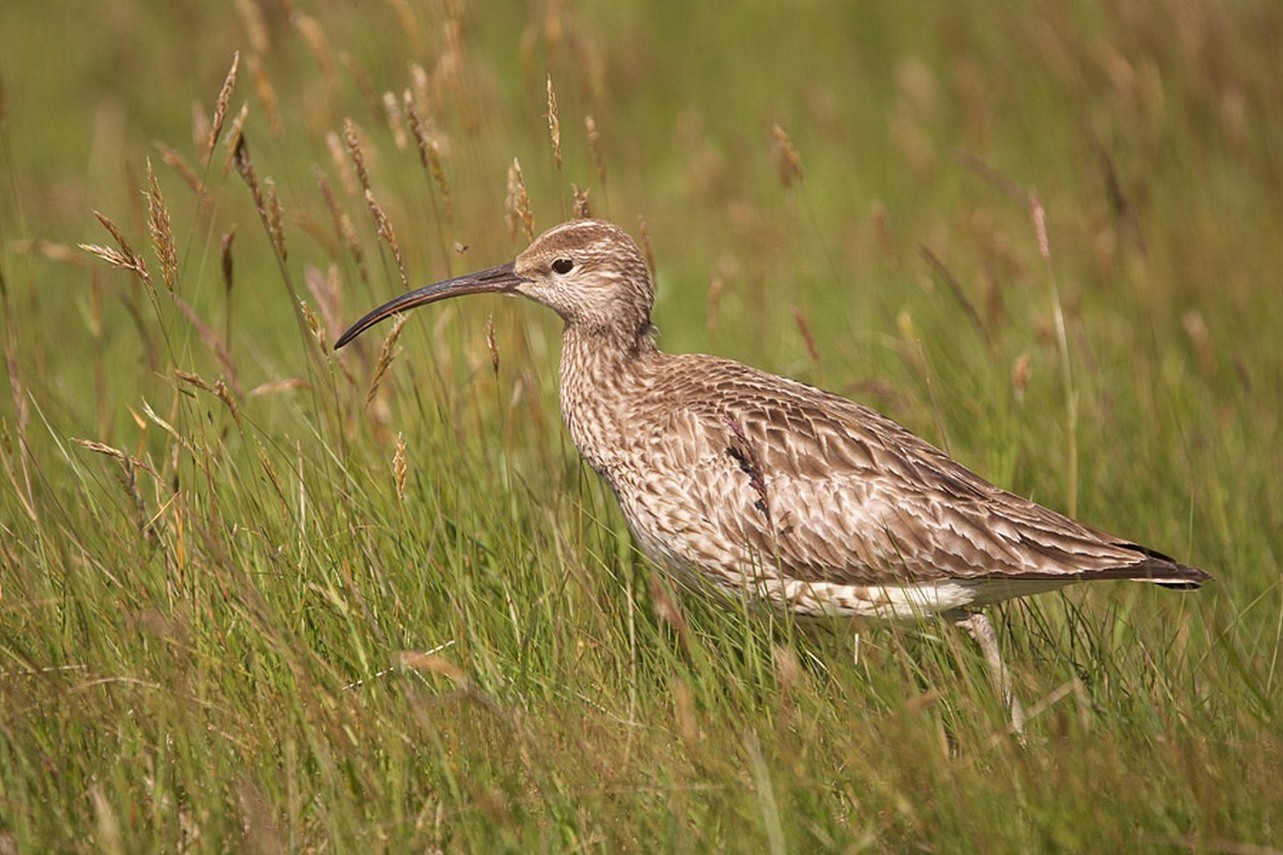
(501,279)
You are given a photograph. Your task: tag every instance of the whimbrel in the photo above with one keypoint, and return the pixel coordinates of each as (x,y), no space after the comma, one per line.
(766,487)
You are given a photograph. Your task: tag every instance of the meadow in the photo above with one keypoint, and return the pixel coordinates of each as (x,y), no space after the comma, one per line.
(257,596)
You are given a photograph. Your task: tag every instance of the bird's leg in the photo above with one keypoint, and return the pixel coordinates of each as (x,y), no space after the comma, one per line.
(979,628)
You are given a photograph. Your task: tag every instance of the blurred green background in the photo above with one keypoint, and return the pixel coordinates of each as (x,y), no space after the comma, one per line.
(226,552)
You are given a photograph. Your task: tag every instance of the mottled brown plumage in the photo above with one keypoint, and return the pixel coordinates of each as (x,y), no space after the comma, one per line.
(759,484)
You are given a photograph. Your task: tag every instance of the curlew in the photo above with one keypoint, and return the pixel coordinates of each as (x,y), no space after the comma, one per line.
(763,486)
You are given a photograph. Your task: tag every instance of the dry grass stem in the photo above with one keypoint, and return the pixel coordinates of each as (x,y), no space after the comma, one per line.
(343,227)
(342,166)
(421,82)
(162,232)
(387,354)
(958,292)
(1020,371)
(647,249)
(429,147)
(1039,215)
(234,137)
(59,252)
(226,259)
(438,175)
(325,290)
(109,451)
(245,168)
(392,111)
(266,94)
(200,126)
(417,130)
(289,384)
(275,218)
(518,204)
(554,124)
(255,27)
(364,83)
(317,43)
(207,336)
(991,174)
(594,148)
(314,325)
(582,210)
(229,400)
(220,108)
(809,340)
(399,466)
(175,161)
(788,162)
(388,234)
(353,143)
(716,287)
(124,258)
(492,344)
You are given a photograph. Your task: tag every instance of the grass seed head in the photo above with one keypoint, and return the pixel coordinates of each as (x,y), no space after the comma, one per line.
(220,108)
(554,123)
(518,204)
(354,150)
(162,233)
(787,160)
(594,147)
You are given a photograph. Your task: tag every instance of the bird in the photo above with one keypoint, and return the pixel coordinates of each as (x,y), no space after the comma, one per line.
(760,486)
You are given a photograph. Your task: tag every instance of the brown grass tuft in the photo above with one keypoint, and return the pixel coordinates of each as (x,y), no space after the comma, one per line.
(220,109)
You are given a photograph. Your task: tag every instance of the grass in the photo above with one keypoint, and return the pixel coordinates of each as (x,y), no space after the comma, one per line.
(256,596)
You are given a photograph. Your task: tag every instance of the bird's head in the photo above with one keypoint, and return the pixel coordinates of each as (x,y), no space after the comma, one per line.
(588,271)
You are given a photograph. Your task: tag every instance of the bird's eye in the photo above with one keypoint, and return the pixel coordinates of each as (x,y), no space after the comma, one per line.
(563,265)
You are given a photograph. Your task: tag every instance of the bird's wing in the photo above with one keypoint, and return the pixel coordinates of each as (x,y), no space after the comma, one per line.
(836,492)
